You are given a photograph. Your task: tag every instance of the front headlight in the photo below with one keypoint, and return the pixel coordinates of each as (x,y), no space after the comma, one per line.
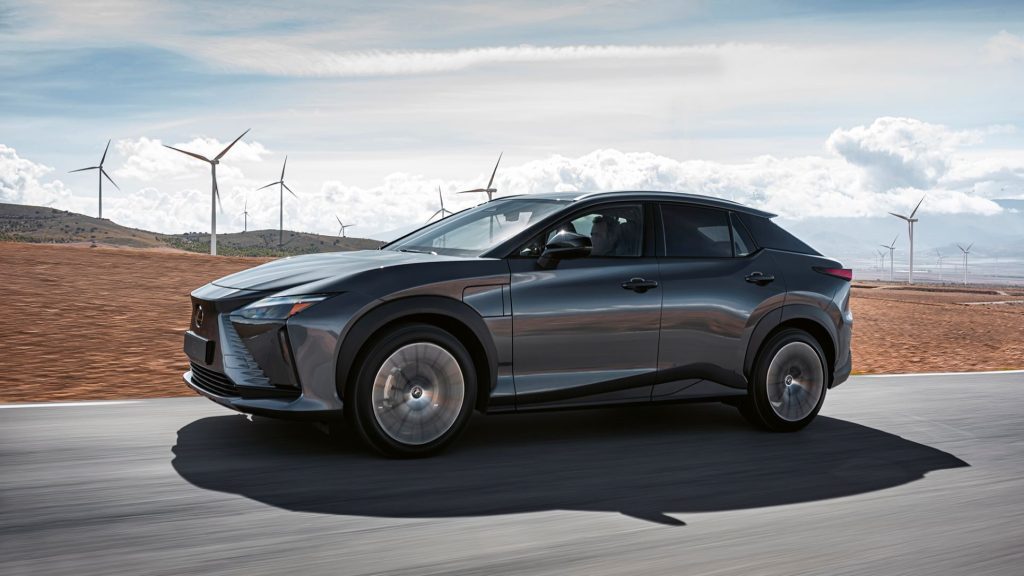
(280,307)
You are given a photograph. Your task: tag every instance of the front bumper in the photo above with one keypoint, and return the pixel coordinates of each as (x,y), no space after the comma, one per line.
(248,372)
(298,408)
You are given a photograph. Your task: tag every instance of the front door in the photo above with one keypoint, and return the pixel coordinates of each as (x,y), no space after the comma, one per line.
(586,331)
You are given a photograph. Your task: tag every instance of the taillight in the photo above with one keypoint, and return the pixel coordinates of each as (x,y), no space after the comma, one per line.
(844,273)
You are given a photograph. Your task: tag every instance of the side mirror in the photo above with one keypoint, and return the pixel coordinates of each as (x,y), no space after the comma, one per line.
(564,246)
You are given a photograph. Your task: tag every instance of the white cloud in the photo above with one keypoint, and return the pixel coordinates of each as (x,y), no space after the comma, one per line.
(872,169)
(21,182)
(148,160)
(1004,48)
(292,59)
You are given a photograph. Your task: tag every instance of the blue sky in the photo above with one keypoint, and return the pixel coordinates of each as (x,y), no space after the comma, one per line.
(377,103)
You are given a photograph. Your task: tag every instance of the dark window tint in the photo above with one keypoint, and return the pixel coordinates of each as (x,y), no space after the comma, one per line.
(769,235)
(696,232)
(742,245)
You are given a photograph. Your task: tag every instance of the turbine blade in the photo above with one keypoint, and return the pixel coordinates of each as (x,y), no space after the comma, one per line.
(339,220)
(288,189)
(899,216)
(268,185)
(283,166)
(895,239)
(104,172)
(225,151)
(491,181)
(916,207)
(192,154)
(84,169)
(969,247)
(105,153)
(472,191)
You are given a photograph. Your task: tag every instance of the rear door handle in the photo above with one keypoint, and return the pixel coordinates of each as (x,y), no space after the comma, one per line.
(639,285)
(759,278)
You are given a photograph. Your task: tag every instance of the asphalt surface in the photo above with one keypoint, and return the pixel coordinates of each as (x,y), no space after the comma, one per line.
(909,475)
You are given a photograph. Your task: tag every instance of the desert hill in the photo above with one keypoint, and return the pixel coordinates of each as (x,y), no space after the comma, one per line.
(38,224)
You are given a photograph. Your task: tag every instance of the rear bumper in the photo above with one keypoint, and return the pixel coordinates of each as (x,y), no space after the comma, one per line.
(295,408)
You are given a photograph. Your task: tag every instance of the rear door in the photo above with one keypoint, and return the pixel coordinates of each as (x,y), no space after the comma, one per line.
(716,287)
(586,331)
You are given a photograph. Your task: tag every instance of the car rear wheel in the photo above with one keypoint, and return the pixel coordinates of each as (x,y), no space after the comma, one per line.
(415,391)
(789,382)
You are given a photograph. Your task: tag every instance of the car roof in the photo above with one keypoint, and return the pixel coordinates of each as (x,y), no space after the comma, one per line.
(654,195)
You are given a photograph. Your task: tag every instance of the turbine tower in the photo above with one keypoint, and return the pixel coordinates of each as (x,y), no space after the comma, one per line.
(341,231)
(891,248)
(880,263)
(910,227)
(939,255)
(245,214)
(443,212)
(966,251)
(489,190)
(101,175)
(215,193)
(281,187)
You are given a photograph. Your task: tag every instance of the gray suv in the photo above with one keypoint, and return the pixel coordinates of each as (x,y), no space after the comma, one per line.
(532,302)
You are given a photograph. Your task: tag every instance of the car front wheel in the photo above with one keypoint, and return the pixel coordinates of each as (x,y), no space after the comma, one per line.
(415,391)
(789,382)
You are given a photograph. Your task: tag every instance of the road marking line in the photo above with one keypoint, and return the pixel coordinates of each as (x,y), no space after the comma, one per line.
(937,374)
(70,404)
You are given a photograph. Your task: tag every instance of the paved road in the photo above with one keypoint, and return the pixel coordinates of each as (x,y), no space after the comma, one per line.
(912,475)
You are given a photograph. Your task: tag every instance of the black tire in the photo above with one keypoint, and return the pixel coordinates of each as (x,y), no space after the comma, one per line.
(788,402)
(430,396)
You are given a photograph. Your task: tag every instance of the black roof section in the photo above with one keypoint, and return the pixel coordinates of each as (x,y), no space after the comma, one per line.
(654,195)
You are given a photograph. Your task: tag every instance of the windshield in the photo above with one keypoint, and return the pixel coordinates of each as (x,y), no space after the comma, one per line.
(472,232)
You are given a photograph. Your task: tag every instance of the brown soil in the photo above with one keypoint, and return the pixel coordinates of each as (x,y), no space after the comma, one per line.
(85,323)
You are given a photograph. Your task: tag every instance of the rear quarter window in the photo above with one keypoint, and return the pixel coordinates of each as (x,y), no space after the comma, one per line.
(768,234)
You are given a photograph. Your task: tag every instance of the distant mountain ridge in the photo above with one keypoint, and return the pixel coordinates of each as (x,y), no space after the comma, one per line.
(39,224)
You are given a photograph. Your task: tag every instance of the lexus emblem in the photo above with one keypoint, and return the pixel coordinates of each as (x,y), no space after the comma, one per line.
(199,316)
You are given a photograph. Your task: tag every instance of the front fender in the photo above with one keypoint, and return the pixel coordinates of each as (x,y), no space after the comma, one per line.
(363,329)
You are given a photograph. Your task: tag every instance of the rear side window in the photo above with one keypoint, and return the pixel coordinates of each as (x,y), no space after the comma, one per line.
(769,235)
(696,232)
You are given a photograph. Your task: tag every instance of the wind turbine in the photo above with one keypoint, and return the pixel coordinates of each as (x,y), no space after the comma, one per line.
(443,212)
(490,190)
(245,213)
(939,254)
(891,248)
(215,193)
(282,187)
(101,174)
(966,251)
(910,226)
(341,232)
(880,263)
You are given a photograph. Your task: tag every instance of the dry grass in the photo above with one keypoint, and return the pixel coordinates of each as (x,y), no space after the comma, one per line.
(83,323)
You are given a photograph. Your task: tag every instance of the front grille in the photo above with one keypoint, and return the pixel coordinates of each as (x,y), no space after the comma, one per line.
(212,381)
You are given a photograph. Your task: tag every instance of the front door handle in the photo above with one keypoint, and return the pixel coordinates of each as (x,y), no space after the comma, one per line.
(639,285)
(759,278)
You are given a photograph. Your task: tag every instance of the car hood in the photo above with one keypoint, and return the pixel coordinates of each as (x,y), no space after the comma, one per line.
(297,270)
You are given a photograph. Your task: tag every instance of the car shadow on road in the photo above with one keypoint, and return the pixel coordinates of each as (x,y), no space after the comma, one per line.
(643,462)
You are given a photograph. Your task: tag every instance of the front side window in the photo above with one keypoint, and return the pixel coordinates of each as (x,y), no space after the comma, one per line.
(696,232)
(614,231)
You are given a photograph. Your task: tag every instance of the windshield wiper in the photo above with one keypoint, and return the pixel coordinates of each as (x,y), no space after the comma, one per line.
(417,251)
